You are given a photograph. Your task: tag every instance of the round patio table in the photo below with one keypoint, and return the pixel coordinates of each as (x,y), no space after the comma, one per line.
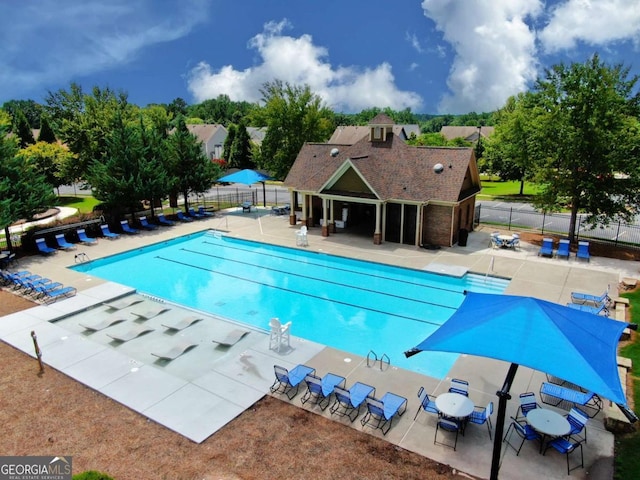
(454,405)
(548,423)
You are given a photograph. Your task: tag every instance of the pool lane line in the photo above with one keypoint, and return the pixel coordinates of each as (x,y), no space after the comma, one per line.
(413,319)
(382,277)
(308,277)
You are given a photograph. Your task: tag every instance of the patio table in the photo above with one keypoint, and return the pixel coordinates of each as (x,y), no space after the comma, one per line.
(454,405)
(548,423)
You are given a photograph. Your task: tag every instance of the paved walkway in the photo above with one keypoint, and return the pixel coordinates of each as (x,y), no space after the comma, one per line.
(202,391)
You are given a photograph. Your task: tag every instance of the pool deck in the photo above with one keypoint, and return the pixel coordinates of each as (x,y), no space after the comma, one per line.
(206,387)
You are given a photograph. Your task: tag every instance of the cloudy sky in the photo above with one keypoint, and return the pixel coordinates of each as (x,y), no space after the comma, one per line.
(432,56)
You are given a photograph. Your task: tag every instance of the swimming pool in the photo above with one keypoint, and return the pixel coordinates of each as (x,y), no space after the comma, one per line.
(348,304)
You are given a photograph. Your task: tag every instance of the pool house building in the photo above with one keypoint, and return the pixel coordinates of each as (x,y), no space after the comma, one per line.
(381,186)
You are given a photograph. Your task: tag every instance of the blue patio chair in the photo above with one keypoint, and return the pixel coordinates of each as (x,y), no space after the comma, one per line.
(514,242)
(63,244)
(162,220)
(194,214)
(380,413)
(597,300)
(566,398)
(128,229)
(566,447)
(563,249)
(459,386)
(524,431)
(144,223)
(349,402)
(84,239)
(546,250)
(182,217)
(319,390)
(480,416)
(578,421)
(203,212)
(448,425)
(583,251)
(527,403)
(107,233)
(289,382)
(56,294)
(43,248)
(427,403)
(597,310)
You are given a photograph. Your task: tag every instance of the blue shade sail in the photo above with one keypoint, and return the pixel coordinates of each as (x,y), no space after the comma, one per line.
(576,346)
(247,177)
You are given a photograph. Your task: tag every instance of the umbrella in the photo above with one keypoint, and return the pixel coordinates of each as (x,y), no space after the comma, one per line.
(577,346)
(248,177)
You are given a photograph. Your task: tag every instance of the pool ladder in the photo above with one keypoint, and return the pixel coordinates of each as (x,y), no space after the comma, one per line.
(81,257)
(372,359)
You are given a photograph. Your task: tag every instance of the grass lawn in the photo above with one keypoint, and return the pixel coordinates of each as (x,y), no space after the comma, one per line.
(499,190)
(628,446)
(84,203)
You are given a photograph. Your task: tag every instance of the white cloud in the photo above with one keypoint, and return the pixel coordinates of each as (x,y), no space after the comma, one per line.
(298,61)
(594,22)
(494,50)
(45,43)
(412,38)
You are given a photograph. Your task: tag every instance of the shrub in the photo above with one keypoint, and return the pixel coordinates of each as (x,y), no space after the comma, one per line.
(92,475)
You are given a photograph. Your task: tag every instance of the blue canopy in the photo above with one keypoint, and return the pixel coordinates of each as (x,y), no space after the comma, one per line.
(247,176)
(577,346)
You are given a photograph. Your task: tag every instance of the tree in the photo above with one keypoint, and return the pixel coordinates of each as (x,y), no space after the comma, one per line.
(47,160)
(228,142)
(22,129)
(240,155)
(177,107)
(31,110)
(585,141)
(23,192)
(46,132)
(507,151)
(154,179)
(190,171)
(293,115)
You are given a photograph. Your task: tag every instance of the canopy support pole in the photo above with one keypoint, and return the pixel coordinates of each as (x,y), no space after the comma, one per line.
(264,194)
(503,396)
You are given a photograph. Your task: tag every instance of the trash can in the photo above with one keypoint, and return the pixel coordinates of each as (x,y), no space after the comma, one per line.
(463,235)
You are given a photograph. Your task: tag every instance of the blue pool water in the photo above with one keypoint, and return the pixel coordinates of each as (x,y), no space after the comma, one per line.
(348,304)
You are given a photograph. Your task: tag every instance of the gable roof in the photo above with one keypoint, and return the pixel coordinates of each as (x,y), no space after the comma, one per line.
(350,134)
(469,133)
(204,131)
(391,170)
(257,134)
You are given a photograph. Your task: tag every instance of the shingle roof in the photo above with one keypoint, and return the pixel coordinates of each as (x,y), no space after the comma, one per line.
(350,134)
(204,131)
(395,170)
(468,133)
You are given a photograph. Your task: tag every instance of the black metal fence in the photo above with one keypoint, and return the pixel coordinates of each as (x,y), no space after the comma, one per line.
(616,234)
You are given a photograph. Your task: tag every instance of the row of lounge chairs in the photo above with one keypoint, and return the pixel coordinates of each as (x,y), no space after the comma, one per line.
(380,412)
(586,302)
(37,287)
(564,251)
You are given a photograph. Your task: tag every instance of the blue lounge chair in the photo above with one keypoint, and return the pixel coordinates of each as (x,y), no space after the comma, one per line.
(144,223)
(380,413)
(107,233)
(597,300)
(182,217)
(203,212)
(427,403)
(288,382)
(53,295)
(162,220)
(38,287)
(349,402)
(597,310)
(84,239)
(194,214)
(127,229)
(566,398)
(63,244)
(319,390)
(546,250)
(563,249)
(43,248)
(583,251)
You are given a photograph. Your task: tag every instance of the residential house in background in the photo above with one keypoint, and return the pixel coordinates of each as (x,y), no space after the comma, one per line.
(212,136)
(350,134)
(470,134)
(256,134)
(381,187)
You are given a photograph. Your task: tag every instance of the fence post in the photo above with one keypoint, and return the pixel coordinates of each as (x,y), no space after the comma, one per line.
(510,216)
(544,216)
(617,234)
